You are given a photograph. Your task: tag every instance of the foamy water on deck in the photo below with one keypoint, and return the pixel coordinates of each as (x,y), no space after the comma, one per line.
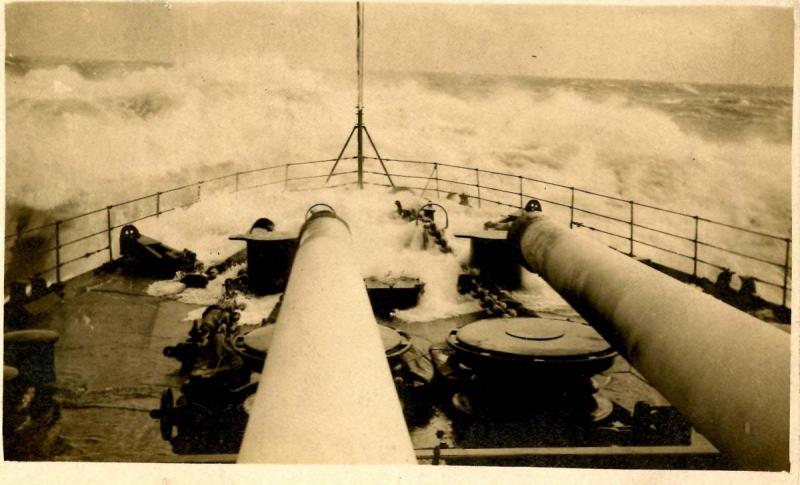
(384,245)
(79,139)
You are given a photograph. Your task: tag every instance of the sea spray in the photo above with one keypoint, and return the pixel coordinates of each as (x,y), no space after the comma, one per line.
(79,139)
(77,142)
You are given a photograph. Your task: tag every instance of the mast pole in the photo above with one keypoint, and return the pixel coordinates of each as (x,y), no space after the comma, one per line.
(360,107)
(359,129)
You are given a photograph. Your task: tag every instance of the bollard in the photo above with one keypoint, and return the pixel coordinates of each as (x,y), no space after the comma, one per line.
(269,256)
(32,353)
(326,395)
(726,371)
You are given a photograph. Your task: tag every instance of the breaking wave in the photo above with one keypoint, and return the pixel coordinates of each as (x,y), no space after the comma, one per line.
(82,136)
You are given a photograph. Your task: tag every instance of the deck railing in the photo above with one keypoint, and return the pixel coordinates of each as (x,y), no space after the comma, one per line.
(687,242)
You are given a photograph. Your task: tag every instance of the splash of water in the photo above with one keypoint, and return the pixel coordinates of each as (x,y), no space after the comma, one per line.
(79,139)
(78,142)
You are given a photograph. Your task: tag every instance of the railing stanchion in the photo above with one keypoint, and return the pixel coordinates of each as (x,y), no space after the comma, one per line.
(478,184)
(630,253)
(785,285)
(571,207)
(427,181)
(436,177)
(786,270)
(694,241)
(58,251)
(110,228)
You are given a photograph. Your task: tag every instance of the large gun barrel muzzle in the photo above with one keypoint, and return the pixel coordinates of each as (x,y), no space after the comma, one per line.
(326,394)
(725,370)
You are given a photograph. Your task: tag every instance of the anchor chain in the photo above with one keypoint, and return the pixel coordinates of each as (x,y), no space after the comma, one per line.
(429,226)
(433,232)
(494,300)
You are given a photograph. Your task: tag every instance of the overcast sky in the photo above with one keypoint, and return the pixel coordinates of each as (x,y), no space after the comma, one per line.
(722,44)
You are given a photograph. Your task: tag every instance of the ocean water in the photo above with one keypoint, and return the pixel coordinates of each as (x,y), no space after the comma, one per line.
(81,135)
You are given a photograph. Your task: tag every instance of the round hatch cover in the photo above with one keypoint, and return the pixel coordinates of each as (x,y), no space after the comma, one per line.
(260,339)
(532,337)
(545,330)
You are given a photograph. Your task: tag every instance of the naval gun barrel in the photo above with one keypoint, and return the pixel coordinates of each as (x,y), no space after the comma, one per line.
(326,394)
(726,371)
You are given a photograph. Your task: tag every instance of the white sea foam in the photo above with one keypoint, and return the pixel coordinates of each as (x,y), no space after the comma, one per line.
(75,144)
(385,244)
(167,287)
(89,142)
